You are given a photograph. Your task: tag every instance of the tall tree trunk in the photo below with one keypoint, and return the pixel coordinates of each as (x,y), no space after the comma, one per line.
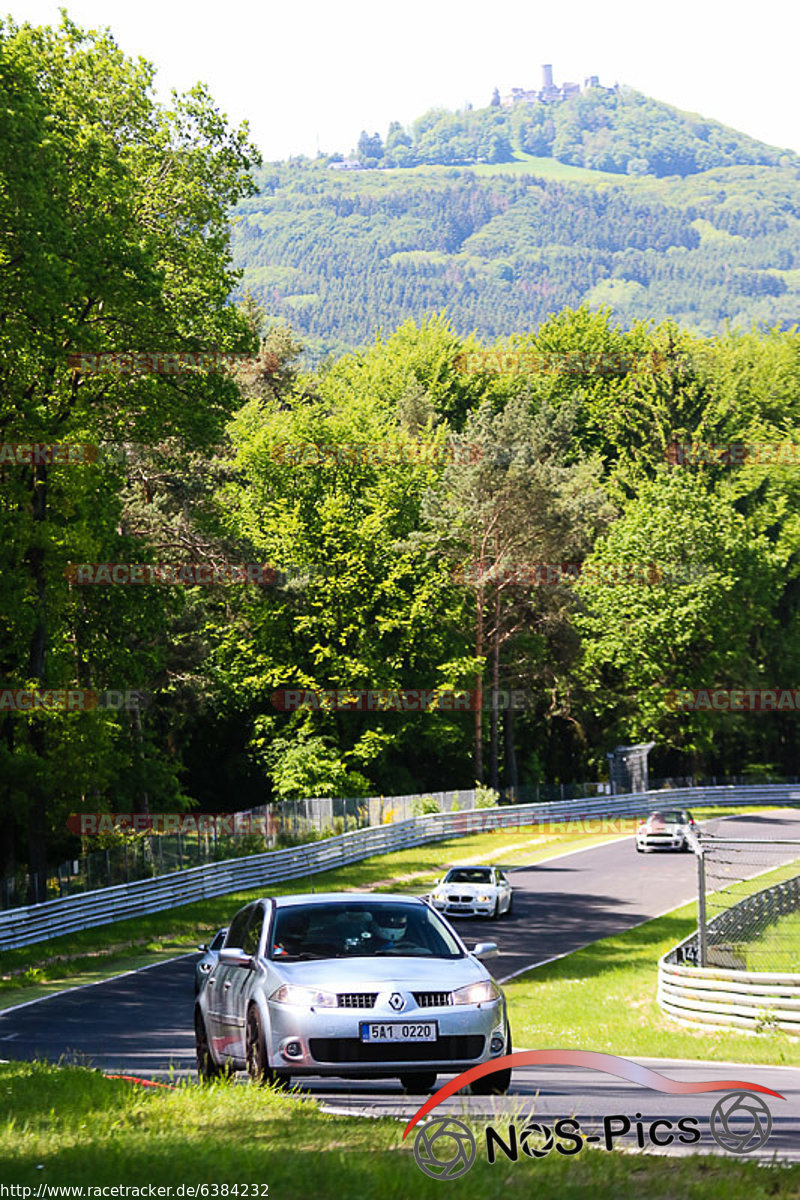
(511,754)
(479,686)
(37,804)
(495,766)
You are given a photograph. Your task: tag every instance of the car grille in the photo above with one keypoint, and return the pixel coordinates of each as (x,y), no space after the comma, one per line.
(460,899)
(356,999)
(339,1050)
(433,999)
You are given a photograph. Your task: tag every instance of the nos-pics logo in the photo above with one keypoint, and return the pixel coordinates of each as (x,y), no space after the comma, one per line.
(445,1148)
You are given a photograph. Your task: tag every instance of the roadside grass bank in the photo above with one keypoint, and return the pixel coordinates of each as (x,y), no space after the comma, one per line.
(604,998)
(71,1126)
(777,948)
(91,955)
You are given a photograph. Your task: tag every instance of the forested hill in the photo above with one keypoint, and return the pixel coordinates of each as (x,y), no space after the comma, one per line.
(604,129)
(338,255)
(501,245)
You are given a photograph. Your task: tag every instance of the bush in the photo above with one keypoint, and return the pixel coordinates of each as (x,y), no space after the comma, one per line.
(486,797)
(423,805)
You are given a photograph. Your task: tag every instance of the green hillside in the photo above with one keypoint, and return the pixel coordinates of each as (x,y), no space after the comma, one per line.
(338,254)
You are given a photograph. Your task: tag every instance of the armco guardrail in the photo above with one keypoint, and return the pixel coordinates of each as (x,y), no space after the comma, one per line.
(727,996)
(38,922)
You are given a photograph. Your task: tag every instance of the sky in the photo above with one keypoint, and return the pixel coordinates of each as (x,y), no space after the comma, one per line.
(310,76)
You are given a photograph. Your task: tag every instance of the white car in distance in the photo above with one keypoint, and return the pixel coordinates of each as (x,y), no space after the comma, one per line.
(467,891)
(667,829)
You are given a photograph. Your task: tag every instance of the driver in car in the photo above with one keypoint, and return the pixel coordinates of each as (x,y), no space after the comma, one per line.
(388,929)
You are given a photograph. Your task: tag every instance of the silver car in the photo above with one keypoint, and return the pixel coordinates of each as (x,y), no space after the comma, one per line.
(353,986)
(206,964)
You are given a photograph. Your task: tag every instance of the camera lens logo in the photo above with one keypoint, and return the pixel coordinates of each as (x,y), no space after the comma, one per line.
(542,1136)
(445,1136)
(740,1122)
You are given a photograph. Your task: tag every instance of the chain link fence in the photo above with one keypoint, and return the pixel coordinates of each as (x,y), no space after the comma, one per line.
(749,904)
(129,857)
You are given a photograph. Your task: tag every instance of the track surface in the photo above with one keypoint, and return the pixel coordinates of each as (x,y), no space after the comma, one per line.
(141,1023)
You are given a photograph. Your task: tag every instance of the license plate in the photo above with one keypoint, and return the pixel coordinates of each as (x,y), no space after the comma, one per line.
(408,1031)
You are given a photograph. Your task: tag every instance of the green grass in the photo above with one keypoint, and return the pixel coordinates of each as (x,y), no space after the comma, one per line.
(522,164)
(549,168)
(604,998)
(777,949)
(63,1126)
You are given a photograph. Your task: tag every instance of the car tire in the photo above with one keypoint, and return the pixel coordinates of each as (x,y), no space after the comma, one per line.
(498,1083)
(639,849)
(418,1082)
(258,1067)
(207,1069)
(510,906)
(495,911)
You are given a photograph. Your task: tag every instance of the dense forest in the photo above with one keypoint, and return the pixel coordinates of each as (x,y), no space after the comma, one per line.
(404,560)
(337,255)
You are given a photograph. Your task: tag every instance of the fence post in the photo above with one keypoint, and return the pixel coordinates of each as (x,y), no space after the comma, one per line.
(702,943)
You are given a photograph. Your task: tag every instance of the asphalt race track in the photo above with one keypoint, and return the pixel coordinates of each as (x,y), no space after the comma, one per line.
(141,1023)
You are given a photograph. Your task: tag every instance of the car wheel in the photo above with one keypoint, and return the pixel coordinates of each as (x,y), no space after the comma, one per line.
(493,914)
(639,849)
(498,1083)
(418,1082)
(258,1067)
(510,905)
(207,1069)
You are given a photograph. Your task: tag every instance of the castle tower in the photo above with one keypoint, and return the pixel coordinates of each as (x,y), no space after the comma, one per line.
(547,76)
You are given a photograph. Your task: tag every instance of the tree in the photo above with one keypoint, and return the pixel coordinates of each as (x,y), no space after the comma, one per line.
(113,234)
(518,502)
(495,100)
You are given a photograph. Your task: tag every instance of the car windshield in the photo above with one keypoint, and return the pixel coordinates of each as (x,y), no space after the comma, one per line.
(670,816)
(218,940)
(361,929)
(469,875)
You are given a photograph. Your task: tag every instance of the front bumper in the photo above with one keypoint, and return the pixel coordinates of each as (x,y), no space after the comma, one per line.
(327,1041)
(464,908)
(660,841)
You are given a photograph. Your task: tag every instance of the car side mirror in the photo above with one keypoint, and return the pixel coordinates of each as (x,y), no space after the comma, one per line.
(203,947)
(486,950)
(232,956)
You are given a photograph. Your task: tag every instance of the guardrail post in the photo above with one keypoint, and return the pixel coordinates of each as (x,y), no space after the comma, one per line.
(702,934)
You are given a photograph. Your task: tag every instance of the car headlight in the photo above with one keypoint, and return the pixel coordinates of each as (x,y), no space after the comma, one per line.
(484,898)
(303,997)
(476,993)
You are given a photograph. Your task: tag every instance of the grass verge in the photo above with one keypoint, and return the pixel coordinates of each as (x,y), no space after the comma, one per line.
(63,1126)
(604,998)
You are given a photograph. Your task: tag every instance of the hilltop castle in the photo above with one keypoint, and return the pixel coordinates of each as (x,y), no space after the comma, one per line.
(549,93)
